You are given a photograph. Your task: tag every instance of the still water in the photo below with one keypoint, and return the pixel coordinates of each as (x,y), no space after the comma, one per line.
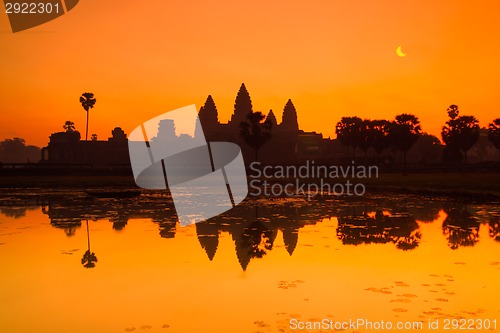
(73,263)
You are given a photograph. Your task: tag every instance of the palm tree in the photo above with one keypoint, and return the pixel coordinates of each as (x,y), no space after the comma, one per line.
(380,135)
(69,126)
(460,132)
(348,132)
(89,258)
(365,136)
(255,132)
(405,131)
(87,99)
(494,132)
(453,111)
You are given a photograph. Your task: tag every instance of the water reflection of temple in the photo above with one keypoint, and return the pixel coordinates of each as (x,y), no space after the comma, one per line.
(255,225)
(69,214)
(254,229)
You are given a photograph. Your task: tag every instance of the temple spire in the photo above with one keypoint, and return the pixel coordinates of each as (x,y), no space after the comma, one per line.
(272,118)
(290,122)
(242,106)
(208,113)
(209,118)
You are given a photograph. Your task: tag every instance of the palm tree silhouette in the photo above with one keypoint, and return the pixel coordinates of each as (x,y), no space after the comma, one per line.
(460,132)
(89,258)
(87,100)
(494,132)
(348,132)
(404,132)
(69,126)
(255,132)
(379,137)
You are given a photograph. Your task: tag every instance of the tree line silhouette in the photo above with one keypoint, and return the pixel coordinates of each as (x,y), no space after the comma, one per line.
(15,150)
(460,134)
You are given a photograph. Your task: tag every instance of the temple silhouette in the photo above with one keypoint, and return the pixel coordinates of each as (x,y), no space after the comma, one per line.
(67,148)
(288,144)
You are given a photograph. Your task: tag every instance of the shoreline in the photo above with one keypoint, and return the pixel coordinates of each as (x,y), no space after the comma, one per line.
(483,187)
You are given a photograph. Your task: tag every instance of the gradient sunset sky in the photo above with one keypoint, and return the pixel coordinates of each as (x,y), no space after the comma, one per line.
(332,58)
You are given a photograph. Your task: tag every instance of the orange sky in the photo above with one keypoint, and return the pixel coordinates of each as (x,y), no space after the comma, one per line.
(332,58)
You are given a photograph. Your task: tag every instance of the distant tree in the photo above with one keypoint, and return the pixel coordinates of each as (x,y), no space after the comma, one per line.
(13,144)
(365,136)
(255,132)
(348,131)
(460,132)
(69,126)
(494,133)
(16,151)
(453,111)
(379,135)
(118,134)
(468,133)
(404,133)
(373,134)
(93,137)
(88,101)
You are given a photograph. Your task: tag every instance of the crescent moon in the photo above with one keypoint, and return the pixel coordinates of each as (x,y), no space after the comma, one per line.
(399,52)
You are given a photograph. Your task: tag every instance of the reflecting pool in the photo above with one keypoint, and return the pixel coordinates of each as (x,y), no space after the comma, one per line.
(74,263)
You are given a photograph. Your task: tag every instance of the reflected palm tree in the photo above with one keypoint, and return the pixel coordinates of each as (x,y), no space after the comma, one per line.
(460,228)
(426,212)
(64,216)
(408,242)
(255,241)
(89,258)
(495,229)
(15,212)
(380,228)
(119,222)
